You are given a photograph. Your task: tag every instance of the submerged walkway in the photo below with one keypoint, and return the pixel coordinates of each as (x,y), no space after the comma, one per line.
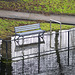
(31,16)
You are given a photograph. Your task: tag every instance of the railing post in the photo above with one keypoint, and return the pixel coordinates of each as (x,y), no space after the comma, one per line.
(39,53)
(68,48)
(50,33)
(50,27)
(60,35)
(51,20)
(6,49)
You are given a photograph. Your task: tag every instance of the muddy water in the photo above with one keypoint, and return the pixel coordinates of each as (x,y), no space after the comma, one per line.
(52,60)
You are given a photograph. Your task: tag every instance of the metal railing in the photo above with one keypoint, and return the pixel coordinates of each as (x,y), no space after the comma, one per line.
(51,20)
(67,44)
(55,21)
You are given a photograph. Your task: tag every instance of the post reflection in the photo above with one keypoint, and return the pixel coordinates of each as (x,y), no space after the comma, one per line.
(22,63)
(6,67)
(38,54)
(57,53)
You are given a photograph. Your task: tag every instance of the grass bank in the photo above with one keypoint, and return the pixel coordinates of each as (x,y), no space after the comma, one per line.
(41,6)
(7,26)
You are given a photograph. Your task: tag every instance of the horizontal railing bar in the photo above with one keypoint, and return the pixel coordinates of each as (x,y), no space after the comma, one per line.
(55,21)
(37,36)
(40,53)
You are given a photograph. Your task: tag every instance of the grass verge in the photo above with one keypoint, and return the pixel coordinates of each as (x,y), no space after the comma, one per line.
(38,6)
(7,26)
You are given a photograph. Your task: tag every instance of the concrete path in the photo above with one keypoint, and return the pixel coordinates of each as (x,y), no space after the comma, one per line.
(31,16)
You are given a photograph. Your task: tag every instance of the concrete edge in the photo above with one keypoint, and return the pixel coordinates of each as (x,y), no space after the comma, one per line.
(17,18)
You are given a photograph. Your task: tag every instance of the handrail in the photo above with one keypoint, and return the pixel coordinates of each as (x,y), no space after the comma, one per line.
(55,21)
(51,20)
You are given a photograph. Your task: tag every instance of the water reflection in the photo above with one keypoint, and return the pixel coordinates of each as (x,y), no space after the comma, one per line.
(33,65)
(6,67)
(57,53)
(23,63)
(6,48)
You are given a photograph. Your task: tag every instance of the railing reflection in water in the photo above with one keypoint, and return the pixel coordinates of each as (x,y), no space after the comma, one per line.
(39,56)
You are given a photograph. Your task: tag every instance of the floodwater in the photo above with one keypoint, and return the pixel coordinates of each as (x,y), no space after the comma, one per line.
(53,58)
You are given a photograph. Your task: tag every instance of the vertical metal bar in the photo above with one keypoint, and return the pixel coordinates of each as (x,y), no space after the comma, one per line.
(18,40)
(50,27)
(60,35)
(22,40)
(68,48)
(73,37)
(38,53)
(60,26)
(50,40)
(39,25)
(50,33)
(6,49)
(23,63)
(15,41)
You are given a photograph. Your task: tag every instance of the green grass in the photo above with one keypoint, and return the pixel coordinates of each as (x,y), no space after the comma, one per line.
(7,26)
(55,27)
(41,6)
